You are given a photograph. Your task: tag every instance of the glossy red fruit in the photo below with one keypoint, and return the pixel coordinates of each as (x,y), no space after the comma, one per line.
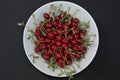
(53,47)
(60,26)
(69,45)
(50,52)
(37,31)
(77,56)
(66,52)
(57,18)
(48,40)
(58,38)
(74,24)
(45,56)
(83,32)
(46,15)
(54,23)
(76,20)
(48,25)
(48,30)
(41,39)
(75,48)
(70,37)
(37,49)
(50,35)
(72,56)
(61,63)
(42,46)
(76,31)
(64,45)
(55,32)
(74,42)
(58,43)
(58,56)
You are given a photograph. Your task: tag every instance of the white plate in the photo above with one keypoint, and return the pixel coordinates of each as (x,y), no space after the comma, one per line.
(83,15)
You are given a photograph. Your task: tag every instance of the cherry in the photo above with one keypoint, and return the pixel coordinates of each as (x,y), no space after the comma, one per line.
(37,31)
(61,63)
(83,32)
(55,32)
(64,45)
(70,37)
(66,52)
(75,48)
(60,26)
(48,30)
(57,18)
(48,40)
(53,47)
(69,45)
(50,35)
(45,56)
(50,52)
(58,55)
(74,24)
(41,39)
(48,25)
(37,49)
(77,55)
(58,43)
(71,56)
(54,23)
(74,42)
(76,20)
(46,15)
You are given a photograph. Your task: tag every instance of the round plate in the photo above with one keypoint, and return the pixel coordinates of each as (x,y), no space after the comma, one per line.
(83,15)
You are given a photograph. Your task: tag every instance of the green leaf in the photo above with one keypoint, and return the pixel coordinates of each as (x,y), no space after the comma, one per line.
(21,24)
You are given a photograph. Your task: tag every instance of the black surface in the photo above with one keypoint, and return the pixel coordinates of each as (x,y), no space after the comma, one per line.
(14,64)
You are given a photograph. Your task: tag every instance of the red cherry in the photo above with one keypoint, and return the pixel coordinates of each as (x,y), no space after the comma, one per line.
(58,43)
(83,32)
(50,52)
(57,18)
(61,63)
(66,52)
(48,40)
(70,37)
(74,24)
(69,45)
(48,25)
(37,50)
(64,45)
(50,35)
(45,56)
(76,31)
(71,56)
(59,38)
(76,20)
(48,30)
(53,47)
(75,48)
(77,55)
(74,42)
(46,15)
(55,32)
(54,23)
(41,39)
(60,26)
(58,56)
(37,31)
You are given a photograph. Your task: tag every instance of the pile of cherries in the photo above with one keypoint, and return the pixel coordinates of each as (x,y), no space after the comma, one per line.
(60,38)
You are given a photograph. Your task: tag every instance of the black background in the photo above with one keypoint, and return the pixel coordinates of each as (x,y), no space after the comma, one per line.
(14,64)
